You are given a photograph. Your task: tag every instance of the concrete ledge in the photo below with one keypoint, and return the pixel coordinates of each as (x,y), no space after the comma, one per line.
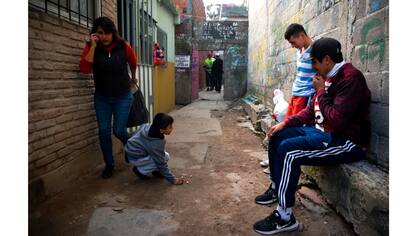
(266,123)
(254,109)
(359,191)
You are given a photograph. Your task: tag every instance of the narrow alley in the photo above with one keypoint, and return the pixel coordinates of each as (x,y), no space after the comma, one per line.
(218,157)
(229,72)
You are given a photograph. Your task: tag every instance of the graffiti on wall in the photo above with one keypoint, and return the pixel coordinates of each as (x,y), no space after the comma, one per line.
(194,71)
(258,54)
(377,50)
(258,60)
(323,5)
(237,56)
(279,27)
(220,30)
(376,5)
(213,11)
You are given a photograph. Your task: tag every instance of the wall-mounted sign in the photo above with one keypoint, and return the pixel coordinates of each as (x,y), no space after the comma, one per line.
(182,61)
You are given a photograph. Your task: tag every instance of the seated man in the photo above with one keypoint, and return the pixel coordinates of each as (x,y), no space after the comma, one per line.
(339,112)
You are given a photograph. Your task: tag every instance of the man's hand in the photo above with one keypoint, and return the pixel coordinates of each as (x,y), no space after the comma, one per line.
(178,181)
(274,129)
(318,82)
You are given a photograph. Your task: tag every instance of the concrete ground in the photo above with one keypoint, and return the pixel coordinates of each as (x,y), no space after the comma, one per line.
(217,155)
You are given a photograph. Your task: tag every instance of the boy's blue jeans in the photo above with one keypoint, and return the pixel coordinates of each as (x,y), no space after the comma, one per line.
(107,107)
(290,148)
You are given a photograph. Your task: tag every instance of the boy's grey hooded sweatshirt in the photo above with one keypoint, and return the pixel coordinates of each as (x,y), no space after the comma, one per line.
(141,145)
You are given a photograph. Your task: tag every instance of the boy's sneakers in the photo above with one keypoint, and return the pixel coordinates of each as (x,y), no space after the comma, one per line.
(139,174)
(273,224)
(268,197)
(108,171)
(157,174)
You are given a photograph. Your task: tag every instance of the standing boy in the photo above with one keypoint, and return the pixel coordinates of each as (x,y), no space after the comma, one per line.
(302,88)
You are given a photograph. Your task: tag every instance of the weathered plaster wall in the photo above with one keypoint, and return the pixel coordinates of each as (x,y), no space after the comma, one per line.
(360,190)
(362,28)
(232,38)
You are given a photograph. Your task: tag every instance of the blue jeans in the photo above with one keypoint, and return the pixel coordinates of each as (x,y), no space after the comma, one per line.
(106,108)
(290,148)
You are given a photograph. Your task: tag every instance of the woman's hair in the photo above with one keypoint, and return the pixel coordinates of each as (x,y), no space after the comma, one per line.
(108,26)
(162,121)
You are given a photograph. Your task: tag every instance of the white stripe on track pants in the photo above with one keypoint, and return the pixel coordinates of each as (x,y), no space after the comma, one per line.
(292,147)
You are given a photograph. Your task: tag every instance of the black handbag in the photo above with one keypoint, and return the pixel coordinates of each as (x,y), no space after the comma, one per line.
(138,111)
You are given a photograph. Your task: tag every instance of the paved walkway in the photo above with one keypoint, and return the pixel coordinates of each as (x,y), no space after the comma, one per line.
(218,157)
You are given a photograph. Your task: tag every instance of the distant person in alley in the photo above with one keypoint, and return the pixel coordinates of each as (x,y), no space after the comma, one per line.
(217,72)
(108,56)
(146,149)
(208,64)
(302,89)
(339,111)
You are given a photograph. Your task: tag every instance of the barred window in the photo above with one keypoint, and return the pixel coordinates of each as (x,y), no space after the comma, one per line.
(162,39)
(80,11)
(126,20)
(147,24)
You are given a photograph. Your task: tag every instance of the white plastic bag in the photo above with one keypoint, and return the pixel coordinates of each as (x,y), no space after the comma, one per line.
(280,105)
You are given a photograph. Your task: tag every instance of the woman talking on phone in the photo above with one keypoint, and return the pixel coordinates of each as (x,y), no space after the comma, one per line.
(107,56)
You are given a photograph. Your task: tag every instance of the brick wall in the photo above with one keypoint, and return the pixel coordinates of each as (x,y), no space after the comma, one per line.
(62,125)
(360,25)
(198,9)
(109,9)
(181,5)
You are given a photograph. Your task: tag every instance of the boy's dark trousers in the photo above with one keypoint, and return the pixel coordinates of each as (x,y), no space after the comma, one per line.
(218,82)
(209,80)
(290,148)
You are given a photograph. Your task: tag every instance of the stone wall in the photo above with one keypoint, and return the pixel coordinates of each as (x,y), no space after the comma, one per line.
(62,135)
(232,38)
(362,28)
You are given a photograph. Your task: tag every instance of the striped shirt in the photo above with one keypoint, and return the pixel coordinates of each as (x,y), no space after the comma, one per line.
(302,86)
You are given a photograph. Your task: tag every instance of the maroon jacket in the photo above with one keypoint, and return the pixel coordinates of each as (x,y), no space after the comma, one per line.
(344,106)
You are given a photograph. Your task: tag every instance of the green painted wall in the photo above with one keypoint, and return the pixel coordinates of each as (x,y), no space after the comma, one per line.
(165,21)
(164,76)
